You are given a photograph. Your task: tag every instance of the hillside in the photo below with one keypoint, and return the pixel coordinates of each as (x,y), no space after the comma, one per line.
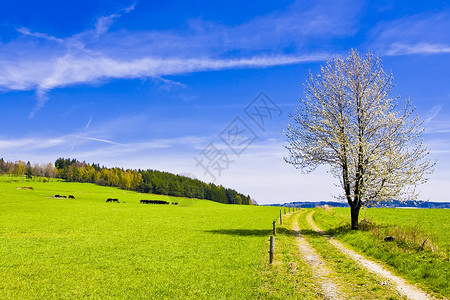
(143,181)
(53,248)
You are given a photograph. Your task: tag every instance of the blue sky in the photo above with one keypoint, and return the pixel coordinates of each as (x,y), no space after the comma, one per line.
(164,84)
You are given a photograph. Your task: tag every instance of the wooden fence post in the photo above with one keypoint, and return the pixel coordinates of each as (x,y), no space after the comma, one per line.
(272,248)
(281,219)
(274,227)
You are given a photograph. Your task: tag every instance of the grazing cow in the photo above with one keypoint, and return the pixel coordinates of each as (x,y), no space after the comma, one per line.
(389,238)
(71,197)
(154,202)
(175,203)
(112,200)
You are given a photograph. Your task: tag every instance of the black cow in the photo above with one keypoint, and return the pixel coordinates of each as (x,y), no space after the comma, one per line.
(112,200)
(154,202)
(71,197)
(389,238)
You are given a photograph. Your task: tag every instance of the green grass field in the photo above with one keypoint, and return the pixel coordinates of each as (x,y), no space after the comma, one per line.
(430,269)
(87,248)
(434,222)
(355,281)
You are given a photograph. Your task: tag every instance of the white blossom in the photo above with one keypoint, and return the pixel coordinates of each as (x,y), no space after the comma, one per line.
(372,141)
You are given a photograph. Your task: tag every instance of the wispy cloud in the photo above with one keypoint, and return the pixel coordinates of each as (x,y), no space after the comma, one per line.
(436,121)
(265,156)
(103,23)
(26,31)
(71,69)
(94,148)
(30,144)
(433,113)
(417,48)
(438,127)
(130,8)
(425,33)
(96,54)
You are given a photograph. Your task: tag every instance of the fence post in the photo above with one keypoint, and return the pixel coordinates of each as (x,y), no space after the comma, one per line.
(272,248)
(281,218)
(274,227)
(285,211)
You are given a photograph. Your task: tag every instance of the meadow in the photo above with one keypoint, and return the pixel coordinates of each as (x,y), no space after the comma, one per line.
(87,248)
(53,248)
(423,263)
(433,223)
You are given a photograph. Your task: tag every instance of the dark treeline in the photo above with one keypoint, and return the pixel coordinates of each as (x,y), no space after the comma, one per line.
(146,181)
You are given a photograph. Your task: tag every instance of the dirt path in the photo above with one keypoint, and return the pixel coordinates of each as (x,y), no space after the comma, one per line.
(323,274)
(400,284)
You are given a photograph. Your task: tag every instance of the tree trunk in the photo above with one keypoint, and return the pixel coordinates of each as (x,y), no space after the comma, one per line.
(355,215)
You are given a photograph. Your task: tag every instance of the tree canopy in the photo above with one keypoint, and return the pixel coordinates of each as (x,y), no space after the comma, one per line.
(372,142)
(147,181)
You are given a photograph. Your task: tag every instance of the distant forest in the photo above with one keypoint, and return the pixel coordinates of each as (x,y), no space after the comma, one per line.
(144,181)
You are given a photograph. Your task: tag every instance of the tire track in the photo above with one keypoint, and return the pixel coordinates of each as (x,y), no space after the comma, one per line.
(400,284)
(322,272)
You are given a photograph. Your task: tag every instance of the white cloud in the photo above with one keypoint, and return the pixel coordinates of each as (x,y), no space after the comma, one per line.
(103,23)
(433,113)
(167,84)
(26,31)
(425,33)
(260,171)
(35,62)
(42,97)
(71,69)
(417,48)
(30,144)
(437,122)
(130,8)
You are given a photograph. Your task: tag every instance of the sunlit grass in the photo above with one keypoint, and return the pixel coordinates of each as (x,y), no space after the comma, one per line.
(87,248)
(430,269)
(356,282)
(288,277)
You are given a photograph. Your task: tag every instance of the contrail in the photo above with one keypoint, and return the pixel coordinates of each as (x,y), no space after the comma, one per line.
(98,140)
(81,132)
(88,123)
